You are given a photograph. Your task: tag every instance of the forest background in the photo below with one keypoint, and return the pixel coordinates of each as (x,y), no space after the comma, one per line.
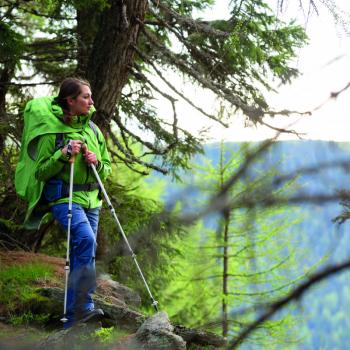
(228,258)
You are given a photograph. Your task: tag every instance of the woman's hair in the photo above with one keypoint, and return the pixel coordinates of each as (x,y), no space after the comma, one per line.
(70,87)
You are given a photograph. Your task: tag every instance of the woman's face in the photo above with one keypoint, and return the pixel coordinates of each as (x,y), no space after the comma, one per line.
(82,103)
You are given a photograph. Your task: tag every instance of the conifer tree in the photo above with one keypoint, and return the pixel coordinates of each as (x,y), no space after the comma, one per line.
(238,260)
(120,45)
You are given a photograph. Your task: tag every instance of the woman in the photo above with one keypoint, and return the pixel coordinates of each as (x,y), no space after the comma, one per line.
(74,105)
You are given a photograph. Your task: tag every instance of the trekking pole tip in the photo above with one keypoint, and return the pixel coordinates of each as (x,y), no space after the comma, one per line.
(64,319)
(155,303)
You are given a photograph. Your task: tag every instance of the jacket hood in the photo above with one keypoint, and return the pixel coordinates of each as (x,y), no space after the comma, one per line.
(43,116)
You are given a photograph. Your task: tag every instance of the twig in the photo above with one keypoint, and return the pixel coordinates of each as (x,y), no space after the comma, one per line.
(295,294)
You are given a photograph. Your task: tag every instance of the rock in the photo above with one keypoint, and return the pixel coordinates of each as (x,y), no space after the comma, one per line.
(117,301)
(113,291)
(78,337)
(154,323)
(121,316)
(115,314)
(156,333)
(200,337)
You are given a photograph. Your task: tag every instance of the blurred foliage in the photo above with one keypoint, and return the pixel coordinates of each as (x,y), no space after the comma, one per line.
(261,254)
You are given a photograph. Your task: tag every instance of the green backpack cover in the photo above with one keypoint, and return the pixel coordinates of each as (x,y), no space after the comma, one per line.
(41,116)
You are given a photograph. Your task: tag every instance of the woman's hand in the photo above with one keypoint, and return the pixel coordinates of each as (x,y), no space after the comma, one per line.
(72,148)
(90,158)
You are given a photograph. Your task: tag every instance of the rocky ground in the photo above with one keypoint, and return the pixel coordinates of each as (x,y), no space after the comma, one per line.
(120,305)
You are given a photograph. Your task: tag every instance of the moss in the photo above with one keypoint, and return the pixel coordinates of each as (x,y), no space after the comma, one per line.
(103,338)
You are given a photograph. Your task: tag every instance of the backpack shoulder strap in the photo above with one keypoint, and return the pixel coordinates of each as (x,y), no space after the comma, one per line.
(94,128)
(59,142)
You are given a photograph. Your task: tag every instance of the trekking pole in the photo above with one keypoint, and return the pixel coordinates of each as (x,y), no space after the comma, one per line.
(133,255)
(69,215)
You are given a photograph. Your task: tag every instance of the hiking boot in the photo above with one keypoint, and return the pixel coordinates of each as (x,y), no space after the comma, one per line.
(90,316)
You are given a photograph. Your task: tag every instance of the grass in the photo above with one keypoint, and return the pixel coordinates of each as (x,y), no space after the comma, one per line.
(102,338)
(27,318)
(18,284)
(17,289)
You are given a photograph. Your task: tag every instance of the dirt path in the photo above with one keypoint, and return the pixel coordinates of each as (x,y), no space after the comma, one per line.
(11,257)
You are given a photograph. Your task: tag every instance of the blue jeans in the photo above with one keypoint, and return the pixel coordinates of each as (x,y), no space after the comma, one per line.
(82,275)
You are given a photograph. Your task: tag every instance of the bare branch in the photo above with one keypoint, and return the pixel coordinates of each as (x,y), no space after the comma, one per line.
(220,201)
(281,130)
(295,294)
(332,96)
(29,84)
(344,164)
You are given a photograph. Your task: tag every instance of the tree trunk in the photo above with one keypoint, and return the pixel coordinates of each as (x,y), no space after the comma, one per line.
(112,55)
(225,257)
(88,20)
(5,77)
(225,278)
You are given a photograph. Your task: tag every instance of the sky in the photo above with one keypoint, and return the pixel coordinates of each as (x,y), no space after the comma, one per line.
(325,67)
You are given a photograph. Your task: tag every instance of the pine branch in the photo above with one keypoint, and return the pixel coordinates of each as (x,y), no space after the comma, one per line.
(172,100)
(128,163)
(33,11)
(205,57)
(253,113)
(130,158)
(172,87)
(123,128)
(246,275)
(195,25)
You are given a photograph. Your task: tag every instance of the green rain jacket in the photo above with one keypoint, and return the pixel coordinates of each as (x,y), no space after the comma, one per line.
(39,160)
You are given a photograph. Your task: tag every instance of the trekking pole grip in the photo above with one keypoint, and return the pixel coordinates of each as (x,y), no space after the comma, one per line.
(69,154)
(84,148)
